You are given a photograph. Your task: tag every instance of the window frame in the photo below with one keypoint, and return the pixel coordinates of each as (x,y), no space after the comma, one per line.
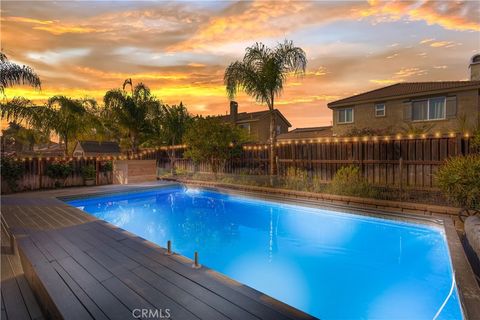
(345,110)
(384,109)
(428,109)
(245,126)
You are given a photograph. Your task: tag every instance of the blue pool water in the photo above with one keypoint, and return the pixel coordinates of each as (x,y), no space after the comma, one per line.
(329,264)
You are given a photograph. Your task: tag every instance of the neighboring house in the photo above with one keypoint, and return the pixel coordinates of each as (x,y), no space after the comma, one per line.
(50,150)
(96,149)
(306,134)
(442,106)
(256,123)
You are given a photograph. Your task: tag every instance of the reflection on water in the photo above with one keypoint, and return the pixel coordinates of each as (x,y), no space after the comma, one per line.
(328,264)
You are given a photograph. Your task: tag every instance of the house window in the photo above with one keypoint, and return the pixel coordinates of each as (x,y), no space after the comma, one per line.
(380,110)
(345,115)
(279,129)
(429,109)
(245,126)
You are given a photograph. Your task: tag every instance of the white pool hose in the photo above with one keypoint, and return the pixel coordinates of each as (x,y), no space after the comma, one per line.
(447,298)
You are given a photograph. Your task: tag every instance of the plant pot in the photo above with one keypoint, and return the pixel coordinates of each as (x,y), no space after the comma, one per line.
(89,182)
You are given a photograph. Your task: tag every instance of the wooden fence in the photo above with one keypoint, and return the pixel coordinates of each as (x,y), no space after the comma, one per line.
(387,162)
(35,178)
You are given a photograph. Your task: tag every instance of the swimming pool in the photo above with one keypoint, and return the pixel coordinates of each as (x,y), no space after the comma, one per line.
(332,265)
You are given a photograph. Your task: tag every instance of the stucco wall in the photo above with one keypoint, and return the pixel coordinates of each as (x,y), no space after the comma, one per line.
(393,121)
(260,129)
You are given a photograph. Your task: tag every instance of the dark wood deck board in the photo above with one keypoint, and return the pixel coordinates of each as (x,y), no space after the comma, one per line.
(27,294)
(168,289)
(89,304)
(105,300)
(14,304)
(92,269)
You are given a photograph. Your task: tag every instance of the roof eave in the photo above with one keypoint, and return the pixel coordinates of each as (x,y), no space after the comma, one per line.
(335,104)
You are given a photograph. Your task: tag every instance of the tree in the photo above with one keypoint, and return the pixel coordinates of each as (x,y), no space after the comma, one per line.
(64,116)
(127,113)
(14,74)
(19,138)
(209,139)
(262,74)
(174,122)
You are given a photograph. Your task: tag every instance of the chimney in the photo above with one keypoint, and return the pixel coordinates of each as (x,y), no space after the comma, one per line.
(233,111)
(475,68)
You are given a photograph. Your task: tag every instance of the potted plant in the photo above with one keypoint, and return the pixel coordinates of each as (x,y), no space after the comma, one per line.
(89,174)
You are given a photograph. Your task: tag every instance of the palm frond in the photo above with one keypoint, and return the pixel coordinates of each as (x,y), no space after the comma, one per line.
(14,74)
(127,82)
(21,109)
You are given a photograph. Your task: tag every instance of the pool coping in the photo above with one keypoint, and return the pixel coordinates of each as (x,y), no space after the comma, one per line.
(468,289)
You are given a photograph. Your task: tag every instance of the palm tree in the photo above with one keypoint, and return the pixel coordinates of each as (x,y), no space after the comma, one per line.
(14,74)
(63,116)
(262,74)
(127,113)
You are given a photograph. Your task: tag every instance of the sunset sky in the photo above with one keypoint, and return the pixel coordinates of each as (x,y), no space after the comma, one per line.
(181,49)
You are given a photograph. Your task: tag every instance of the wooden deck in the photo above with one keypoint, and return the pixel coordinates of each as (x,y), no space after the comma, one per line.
(82,268)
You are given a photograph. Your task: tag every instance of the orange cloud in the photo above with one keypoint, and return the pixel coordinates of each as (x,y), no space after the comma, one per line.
(449,15)
(27,20)
(53,26)
(138,76)
(383,81)
(438,44)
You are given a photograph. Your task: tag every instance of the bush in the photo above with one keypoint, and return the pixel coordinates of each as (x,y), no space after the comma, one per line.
(106,167)
(11,171)
(89,172)
(296,179)
(58,171)
(459,179)
(349,182)
(475,142)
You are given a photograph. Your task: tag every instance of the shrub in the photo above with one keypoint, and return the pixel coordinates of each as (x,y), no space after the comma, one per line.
(318,185)
(89,172)
(459,179)
(475,142)
(296,179)
(58,171)
(11,171)
(348,181)
(106,167)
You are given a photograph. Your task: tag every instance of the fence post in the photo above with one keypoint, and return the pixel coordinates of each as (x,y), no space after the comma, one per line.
(97,172)
(400,163)
(458,145)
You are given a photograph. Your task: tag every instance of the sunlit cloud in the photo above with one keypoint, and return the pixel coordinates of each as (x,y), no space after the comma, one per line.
(383,81)
(295,101)
(53,57)
(438,44)
(409,72)
(180,50)
(52,26)
(458,15)
(427,40)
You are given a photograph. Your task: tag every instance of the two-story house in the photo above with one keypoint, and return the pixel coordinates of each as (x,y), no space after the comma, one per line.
(257,123)
(441,106)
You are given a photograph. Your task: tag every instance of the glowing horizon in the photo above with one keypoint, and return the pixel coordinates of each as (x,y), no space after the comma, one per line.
(180,50)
